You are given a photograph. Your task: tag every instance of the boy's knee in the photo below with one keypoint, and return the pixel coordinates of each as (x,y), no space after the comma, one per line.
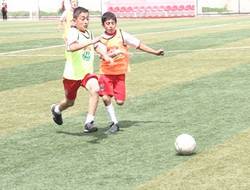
(92,85)
(106,99)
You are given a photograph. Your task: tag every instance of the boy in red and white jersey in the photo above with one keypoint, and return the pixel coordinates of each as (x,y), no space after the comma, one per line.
(112,79)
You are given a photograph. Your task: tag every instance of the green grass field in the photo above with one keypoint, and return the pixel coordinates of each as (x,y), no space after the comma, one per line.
(200,87)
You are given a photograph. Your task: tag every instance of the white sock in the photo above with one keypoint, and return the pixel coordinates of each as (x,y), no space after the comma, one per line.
(111,112)
(89,118)
(57,110)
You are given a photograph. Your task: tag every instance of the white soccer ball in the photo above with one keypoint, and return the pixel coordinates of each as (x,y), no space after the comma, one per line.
(185,144)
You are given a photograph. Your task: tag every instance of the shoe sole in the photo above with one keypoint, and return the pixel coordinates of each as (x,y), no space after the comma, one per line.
(112,132)
(90,131)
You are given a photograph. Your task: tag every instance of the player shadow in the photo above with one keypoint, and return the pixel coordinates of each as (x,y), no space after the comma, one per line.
(101,133)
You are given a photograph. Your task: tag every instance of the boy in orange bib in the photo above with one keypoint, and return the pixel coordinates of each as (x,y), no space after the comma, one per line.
(115,43)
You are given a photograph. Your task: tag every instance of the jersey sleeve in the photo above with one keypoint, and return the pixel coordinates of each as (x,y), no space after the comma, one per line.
(72,36)
(130,40)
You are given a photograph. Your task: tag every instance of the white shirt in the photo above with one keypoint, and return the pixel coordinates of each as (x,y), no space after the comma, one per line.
(75,35)
(76,69)
(130,40)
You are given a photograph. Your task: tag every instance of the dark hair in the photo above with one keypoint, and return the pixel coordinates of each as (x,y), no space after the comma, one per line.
(108,16)
(78,11)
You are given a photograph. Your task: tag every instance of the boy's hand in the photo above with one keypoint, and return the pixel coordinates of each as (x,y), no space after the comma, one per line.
(115,53)
(96,40)
(107,59)
(160,52)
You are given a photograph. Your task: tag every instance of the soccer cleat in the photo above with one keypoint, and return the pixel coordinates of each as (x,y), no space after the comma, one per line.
(113,128)
(56,117)
(90,127)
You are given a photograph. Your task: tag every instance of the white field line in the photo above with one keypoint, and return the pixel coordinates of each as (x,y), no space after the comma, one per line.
(184,29)
(200,50)
(33,49)
(141,34)
(134,53)
(211,49)
(32,55)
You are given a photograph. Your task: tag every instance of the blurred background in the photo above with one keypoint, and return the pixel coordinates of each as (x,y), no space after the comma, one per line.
(130,8)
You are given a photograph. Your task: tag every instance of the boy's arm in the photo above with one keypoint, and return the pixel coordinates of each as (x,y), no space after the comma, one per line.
(135,42)
(148,49)
(77,46)
(103,53)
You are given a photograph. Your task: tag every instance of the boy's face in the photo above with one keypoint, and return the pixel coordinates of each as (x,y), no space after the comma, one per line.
(82,21)
(110,26)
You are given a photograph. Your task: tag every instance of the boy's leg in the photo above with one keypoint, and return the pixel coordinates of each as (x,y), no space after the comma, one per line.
(113,127)
(107,92)
(93,88)
(70,88)
(119,90)
(91,84)
(110,108)
(56,110)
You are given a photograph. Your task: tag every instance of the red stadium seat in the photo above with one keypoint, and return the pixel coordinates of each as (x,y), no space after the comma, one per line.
(172,11)
(167,10)
(123,9)
(181,11)
(181,7)
(158,11)
(111,9)
(116,9)
(141,11)
(130,12)
(136,11)
(148,11)
(189,9)
(122,12)
(161,10)
(155,11)
(155,7)
(162,7)
(174,8)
